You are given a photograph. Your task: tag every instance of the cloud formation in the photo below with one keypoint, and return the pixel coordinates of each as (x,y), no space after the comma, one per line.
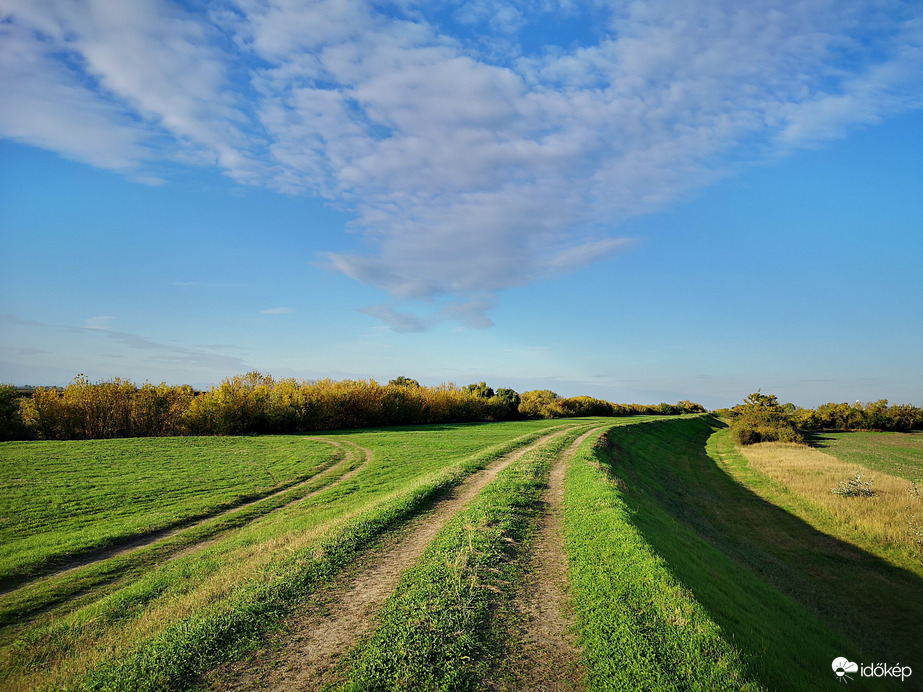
(475,158)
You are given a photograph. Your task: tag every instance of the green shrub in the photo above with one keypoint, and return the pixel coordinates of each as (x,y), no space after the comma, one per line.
(762,419)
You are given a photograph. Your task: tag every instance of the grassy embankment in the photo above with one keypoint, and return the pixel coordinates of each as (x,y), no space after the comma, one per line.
(157,630)
(685,578)
(440,630)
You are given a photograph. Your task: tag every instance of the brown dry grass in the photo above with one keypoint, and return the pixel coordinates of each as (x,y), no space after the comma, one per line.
(888,517)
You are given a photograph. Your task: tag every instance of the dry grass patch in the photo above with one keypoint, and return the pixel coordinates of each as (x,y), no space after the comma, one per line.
(890,516)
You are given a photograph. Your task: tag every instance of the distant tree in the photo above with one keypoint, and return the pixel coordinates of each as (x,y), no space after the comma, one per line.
(11,423)
(510,396)
(402,381)
(540,403)
(480,390)
(506,403)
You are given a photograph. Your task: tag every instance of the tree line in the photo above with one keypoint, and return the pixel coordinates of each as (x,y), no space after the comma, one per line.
(255,403)
(761,418)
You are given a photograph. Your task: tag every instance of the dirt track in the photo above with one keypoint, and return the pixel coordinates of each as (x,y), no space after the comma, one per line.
(331,625)
(547,657)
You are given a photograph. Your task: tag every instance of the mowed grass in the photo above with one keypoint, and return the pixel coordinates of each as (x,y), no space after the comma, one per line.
(640,627)
(897,454)
(159,629)
(59,500)
(686,577)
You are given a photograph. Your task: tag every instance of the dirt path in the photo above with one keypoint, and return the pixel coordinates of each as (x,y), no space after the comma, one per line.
(351,450)
(547,657)
(331,625)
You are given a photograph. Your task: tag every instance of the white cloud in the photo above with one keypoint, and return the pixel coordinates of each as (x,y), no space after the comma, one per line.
(46,105)
(276,311)
(469,172)
(100,322)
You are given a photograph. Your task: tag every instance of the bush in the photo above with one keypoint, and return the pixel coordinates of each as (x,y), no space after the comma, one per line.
(540,403)
(255,403)
(762,419)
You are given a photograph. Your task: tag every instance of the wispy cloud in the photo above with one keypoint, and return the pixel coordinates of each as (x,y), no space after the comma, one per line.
(473,160)
(147,349)
(470,313)
(276,311)
(99,322)
(18,321)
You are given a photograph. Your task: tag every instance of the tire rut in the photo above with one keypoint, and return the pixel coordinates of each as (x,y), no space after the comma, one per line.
(133,544)
(338,616)
(547,655)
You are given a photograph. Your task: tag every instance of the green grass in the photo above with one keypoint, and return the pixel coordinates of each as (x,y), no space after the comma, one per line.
(193,610)
(689,569)
(684,578)
(439,630)
(640,626)
(897,454)
(71,590)
(60,500)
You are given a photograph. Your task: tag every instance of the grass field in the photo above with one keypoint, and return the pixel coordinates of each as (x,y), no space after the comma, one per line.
(897,454)
(693,564)
(59,500)
(880,523)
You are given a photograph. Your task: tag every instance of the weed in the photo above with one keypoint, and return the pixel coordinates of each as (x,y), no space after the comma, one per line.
(914,530)
(855,487)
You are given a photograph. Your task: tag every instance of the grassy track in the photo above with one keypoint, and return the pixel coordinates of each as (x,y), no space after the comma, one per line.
(686,579)
(70,589)
(437,632)
(898,454)
(61,500)
(182,616)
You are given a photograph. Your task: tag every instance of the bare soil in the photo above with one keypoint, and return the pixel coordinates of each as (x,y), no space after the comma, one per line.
(304,654)
(545,653)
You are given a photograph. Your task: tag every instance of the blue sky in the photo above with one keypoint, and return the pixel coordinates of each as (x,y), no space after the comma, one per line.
(637,201)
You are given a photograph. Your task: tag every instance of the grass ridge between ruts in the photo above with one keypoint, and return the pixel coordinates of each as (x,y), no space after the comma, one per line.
(438,630)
